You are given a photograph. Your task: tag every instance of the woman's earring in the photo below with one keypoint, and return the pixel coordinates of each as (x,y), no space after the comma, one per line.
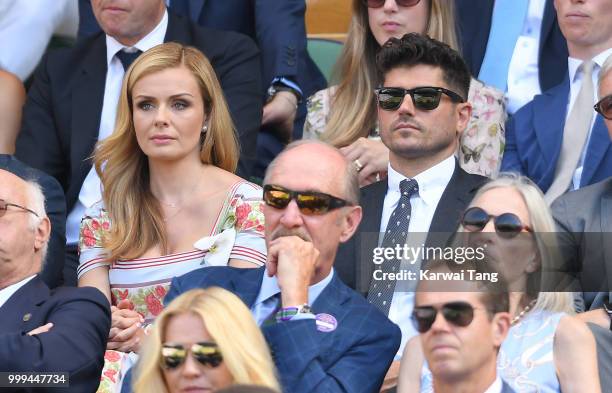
(204,129)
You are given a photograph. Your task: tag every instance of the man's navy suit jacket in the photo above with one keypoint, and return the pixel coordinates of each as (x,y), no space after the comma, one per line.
(75,344)
(353,358)
(55,206)
(534,136)
(474,20)
(62,113)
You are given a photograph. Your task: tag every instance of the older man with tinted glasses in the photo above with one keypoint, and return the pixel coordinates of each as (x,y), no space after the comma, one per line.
(324,336)
(584,221)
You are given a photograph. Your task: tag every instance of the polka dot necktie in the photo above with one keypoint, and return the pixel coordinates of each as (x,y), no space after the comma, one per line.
(381,292)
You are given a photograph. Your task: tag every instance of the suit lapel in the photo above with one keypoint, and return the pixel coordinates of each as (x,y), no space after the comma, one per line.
(87,101)
(246,284)
(596,150)
(606,231)
(331,298)
(178,30)
(19,312)
(372,201)
(549,117)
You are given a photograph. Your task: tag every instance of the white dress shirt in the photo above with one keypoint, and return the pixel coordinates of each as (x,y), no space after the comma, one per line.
(91,189)
(575,84)
(6,293)
(523,71)
(26,27)
(432,184)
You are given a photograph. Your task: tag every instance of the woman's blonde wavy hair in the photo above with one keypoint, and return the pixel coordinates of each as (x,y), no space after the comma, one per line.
(135,214)
(353,108)
(231,326)
(544,233)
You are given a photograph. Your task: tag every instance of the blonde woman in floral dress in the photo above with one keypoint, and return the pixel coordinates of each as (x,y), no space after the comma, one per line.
(171,203)
(345,114)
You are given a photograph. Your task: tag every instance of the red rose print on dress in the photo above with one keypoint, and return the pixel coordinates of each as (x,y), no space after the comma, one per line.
(153,304)
(160,291)
(242,212)
(112,356)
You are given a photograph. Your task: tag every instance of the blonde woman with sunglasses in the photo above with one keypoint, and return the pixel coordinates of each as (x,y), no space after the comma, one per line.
(345,114)
(205,340)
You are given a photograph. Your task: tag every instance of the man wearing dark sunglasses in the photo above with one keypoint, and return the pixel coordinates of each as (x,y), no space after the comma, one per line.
(324,336)
(42,330)
(584,222)
(422,112)
(557,139)
(461,332)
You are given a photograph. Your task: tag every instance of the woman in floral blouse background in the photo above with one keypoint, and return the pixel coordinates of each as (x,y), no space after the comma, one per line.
(171,203)
(345,114)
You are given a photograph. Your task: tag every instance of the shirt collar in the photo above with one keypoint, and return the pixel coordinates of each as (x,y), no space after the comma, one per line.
(6,293)
(155,37)
(432,182)
(573,63)
(269,288)
(496,386)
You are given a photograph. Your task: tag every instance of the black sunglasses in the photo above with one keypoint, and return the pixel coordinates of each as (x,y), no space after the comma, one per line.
(426,98)
(604,107)
(206,353)
(458,313)
(380,3)
(507,225)
(309,202)
(4,207)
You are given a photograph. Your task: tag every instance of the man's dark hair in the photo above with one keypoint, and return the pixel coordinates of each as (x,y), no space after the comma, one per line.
(417,49)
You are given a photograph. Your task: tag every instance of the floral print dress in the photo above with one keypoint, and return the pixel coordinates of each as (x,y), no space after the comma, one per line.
(238,233)
(482,143)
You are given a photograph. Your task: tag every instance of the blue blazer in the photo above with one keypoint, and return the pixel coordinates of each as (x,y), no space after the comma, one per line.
(352,358)
(474,20)
(76,342)
(534,136)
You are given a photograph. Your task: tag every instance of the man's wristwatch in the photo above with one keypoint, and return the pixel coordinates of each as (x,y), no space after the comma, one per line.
(286,313)
(277,87)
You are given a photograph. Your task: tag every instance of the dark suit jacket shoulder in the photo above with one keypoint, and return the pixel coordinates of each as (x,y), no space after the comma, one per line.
(76,342)
(55,206)
(353,357)
(62,113)
(354,258)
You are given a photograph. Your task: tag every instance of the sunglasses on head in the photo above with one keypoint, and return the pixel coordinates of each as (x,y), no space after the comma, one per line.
(206,353)
(458,313)
(380,3)
(425,98)
(507,225)
(309,202)
(604,107)
(4,207)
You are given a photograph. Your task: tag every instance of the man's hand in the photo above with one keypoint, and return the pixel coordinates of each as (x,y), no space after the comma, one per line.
(293,261)
(280,113)
(372,155)
(41,329)
(391,377)
(126,328)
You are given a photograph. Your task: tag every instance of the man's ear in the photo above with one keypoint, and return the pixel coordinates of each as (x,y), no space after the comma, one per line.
(464,114)
(42,233)
(350,222)
(500,325)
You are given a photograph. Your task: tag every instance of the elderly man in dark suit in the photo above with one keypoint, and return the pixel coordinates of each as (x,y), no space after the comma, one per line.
(324,336)
(72,102)
(42,330)
(55,206)
(422,111)
(584,220)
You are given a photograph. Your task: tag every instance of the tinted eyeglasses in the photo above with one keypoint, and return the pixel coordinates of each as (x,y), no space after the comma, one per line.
(507,225)
(426,98)
(309,202)
(604,107)
(458,313)
(206,353)
(4,207)
(380,3)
